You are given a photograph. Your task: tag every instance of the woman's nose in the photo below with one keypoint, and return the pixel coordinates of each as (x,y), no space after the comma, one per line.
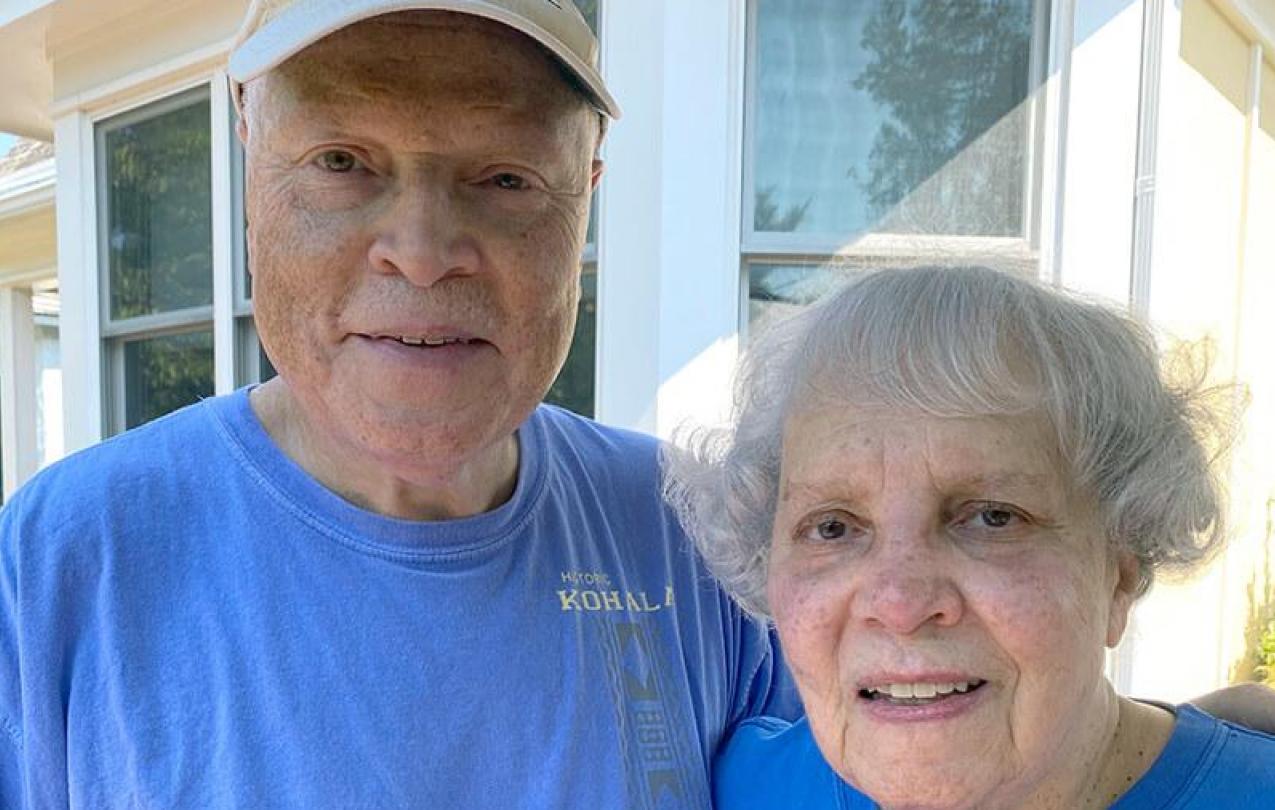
(908,587)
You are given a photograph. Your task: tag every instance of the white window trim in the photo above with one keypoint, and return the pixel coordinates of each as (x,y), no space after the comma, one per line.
(118,333)
(78,279)
(224,224)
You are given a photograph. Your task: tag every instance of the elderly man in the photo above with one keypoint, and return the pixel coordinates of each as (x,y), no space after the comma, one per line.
(386,578)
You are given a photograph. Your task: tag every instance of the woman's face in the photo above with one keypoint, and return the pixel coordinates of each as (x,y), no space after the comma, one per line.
(943,600)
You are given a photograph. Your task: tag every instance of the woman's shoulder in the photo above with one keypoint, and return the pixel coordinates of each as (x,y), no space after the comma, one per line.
(1208,763)
(1242,775)
(769,763)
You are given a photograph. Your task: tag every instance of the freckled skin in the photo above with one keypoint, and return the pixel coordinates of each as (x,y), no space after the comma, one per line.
(921,581)
(458,197)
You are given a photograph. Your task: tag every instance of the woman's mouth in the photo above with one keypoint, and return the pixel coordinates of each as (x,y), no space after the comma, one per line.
(919,694)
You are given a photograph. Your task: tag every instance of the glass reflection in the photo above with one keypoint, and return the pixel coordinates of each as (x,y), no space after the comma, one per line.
(165,373)
(901,116)
(158,234)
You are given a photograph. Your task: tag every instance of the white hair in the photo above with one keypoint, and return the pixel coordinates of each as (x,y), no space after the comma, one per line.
(961,342)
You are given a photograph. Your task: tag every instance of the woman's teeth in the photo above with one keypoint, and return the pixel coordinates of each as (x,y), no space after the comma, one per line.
(919,691)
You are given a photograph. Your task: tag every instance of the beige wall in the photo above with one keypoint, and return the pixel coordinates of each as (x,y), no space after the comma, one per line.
(103,44)
(28,243)
(1213,287)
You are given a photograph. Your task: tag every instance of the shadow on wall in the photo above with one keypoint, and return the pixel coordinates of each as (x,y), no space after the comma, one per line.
(1257,664)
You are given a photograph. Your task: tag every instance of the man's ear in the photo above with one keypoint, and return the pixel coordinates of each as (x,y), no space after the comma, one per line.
(596,176)
(1123,594)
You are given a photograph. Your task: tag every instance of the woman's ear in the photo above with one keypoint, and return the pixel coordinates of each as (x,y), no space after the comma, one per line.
(1123,593)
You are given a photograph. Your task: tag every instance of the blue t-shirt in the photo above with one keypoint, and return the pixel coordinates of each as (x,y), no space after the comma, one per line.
(189,620)
(1208,764)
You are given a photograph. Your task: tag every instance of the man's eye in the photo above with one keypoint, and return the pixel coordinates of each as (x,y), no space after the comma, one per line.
(996,518)
(338,161)
(509,181)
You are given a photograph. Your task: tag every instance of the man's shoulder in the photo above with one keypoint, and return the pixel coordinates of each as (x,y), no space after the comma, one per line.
(582,429)
(569,436)
(123,467)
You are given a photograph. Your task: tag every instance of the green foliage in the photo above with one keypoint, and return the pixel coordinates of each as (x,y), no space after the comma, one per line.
(1257,661)
(166,373)
(1266,654)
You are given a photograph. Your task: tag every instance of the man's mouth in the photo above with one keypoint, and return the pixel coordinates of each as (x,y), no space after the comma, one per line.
(919,694)
(428,341)
(414,340)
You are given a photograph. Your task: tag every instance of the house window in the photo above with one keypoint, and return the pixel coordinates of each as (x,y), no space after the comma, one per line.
(252,364)
(885,131)
(574,388)
(155,248)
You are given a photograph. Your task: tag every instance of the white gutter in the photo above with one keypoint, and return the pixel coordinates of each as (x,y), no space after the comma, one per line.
(28,189)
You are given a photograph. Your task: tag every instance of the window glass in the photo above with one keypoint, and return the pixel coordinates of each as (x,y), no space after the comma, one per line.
(157,170)
(574,388)
(778,290)
(162,374)
(893,116)
(589,8)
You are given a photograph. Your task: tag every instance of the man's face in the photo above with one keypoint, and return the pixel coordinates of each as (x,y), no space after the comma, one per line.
(417,196)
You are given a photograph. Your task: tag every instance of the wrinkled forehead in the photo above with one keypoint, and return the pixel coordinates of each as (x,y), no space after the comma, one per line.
(434,57)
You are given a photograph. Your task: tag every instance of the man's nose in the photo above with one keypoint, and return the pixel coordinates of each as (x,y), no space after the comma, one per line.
(908,585)
(422,236)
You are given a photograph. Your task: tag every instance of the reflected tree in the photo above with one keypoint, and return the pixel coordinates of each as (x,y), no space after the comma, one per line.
(574,388)
(166,373)
(952,75)
(767,217)
(159,204)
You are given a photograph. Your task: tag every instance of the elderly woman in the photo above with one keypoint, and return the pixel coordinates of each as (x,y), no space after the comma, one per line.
(947,487)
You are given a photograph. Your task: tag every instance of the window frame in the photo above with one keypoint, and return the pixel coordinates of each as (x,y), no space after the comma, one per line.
(103,127)
(1021,251)
(227,253)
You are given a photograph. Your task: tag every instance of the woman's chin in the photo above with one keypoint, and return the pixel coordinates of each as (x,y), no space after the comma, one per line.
(901,785)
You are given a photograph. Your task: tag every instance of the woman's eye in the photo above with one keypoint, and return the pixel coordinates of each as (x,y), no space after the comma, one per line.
(338,161)
(828,528)
(831,529)
(993,517)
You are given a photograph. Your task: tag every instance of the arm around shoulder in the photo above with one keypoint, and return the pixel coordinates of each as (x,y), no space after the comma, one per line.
(1249,704)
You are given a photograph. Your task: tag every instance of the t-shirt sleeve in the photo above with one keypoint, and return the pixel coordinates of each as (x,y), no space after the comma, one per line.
(768,688)
(10,701)
(10,773)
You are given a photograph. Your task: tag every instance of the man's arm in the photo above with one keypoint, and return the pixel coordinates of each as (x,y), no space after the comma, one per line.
(10,771)
(1249,704)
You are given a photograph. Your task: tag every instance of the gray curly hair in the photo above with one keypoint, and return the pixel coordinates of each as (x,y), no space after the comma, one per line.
(965,341)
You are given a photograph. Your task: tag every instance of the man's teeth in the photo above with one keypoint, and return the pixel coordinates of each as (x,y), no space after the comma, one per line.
(924,691)
(427,341)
